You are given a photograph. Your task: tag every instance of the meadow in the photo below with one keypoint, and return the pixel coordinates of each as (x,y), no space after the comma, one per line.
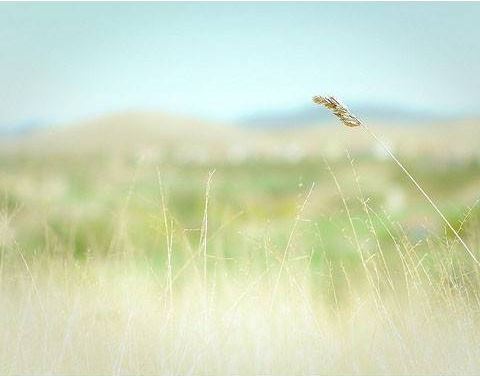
(295,252)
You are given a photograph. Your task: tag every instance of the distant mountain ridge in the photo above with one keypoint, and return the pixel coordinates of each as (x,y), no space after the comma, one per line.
(313,115)
(21,129)
(309,115)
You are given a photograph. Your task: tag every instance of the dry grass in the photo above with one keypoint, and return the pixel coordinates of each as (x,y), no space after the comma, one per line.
(350,120)
(255,283)
(115,315)
(339,110)
(109,317)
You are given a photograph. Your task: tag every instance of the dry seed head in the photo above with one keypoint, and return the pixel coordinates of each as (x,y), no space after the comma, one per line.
(338,109)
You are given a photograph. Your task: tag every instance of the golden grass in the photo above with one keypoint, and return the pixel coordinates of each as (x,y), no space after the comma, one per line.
(110,317)
(165,294)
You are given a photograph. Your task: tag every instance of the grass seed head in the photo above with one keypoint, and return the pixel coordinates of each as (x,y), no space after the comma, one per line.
(339,110)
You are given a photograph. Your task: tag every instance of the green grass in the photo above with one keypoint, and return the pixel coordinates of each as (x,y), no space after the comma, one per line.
(86,285)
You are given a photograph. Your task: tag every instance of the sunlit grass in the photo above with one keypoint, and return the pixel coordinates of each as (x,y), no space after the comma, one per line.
(100,275)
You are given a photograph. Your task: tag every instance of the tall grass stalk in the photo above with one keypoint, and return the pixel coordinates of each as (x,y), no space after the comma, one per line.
(347,118)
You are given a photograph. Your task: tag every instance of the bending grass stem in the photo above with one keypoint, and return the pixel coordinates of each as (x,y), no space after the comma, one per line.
(422,191)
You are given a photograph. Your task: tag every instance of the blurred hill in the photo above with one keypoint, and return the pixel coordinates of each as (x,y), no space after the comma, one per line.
(126,132)
(160,137)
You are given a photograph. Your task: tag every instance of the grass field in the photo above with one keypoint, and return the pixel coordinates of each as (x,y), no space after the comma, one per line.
(302,259)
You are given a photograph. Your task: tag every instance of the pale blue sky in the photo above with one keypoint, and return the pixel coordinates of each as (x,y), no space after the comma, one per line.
(221,61)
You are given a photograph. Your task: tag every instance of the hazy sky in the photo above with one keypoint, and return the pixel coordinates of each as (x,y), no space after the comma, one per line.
(63,62)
